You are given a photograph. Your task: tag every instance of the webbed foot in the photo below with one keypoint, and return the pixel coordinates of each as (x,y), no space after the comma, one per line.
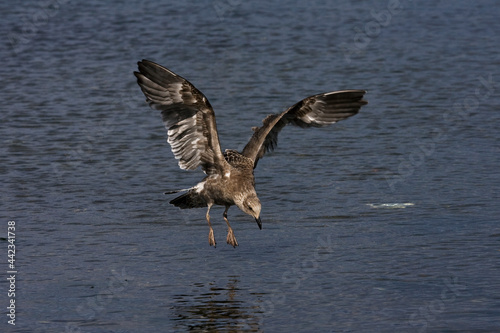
(231,240)
(211,238)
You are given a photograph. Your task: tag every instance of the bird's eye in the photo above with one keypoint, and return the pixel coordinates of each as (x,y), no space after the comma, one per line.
(250,207)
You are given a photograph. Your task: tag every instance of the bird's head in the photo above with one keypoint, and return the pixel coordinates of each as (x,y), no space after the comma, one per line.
(251,206)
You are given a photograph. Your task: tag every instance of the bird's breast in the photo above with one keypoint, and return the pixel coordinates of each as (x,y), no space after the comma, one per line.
(228,187)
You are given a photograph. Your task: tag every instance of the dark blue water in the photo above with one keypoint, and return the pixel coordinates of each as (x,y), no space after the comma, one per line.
(386,222)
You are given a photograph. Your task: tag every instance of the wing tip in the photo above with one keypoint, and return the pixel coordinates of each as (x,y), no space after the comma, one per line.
(358,94)
(360,91)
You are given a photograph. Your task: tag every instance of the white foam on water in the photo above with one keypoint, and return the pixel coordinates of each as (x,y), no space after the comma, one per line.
(392,205)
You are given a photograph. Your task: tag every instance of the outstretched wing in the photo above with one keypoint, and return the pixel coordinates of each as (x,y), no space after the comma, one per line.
(187,115)
(314,111)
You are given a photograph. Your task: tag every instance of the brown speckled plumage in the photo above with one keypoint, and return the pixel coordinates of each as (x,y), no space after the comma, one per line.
(192,135)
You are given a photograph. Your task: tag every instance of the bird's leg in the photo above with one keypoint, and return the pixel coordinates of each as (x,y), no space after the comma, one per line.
(230,235)
(211,238)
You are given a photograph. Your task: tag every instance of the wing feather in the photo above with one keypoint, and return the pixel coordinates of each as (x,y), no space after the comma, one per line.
(314,111)
(187,116)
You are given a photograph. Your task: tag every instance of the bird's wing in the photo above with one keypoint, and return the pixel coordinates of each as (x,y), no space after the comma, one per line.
(187,115)
(314,111)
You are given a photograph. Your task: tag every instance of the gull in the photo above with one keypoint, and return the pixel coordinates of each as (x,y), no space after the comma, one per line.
(192,134)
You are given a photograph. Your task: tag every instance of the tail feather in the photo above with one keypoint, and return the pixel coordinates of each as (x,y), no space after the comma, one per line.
(191,199)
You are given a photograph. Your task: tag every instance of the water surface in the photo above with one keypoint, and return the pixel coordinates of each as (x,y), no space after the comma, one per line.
(385,222)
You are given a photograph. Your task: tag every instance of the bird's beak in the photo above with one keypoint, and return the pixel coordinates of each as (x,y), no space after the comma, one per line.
(259,222)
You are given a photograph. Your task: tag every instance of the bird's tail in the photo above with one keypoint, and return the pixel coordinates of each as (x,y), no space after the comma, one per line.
(190,199)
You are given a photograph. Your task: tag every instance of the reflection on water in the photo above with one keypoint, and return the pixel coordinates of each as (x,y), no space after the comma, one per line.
(210,307)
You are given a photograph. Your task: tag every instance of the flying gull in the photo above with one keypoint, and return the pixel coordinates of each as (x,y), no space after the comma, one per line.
(192,135)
